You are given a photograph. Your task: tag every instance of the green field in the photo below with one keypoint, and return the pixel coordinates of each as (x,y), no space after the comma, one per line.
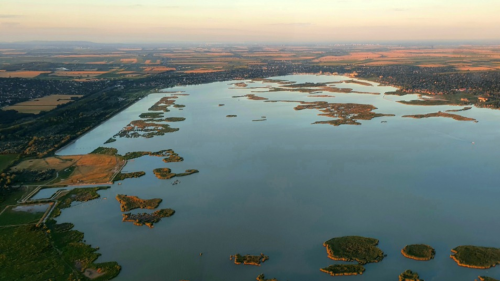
(11,217)
(6,160)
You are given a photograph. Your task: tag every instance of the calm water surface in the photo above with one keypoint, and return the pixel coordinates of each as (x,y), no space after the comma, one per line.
(284,186)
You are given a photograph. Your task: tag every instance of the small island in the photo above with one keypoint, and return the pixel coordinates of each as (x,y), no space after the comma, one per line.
(419,252)
(458,110)
(249,259)
(163,173)
(187,173)
(110,140)
(121,176)
(166,173)
(409,275)
(241,84)
(128,203)
(173,157)
(137,154)
(151,115)
(231,116)
(254,97)
(145,129)
(163,104)
(262,277)
(486,278)
(344,113)
(344,269)
(476,257)
(354,248)
(441,114)
(148,219)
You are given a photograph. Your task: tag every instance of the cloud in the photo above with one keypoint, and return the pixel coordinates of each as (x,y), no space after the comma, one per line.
(10,24)
(4,16)
(291,24)
(399,10)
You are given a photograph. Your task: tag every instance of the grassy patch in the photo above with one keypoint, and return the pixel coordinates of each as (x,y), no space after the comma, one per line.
(419,252)
(64,174)
(13,217)
(344,269)
(476,257)
(6,160)
(128,203)
(354,248)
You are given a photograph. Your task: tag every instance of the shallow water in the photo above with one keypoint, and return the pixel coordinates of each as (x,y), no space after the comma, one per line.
(284,186)
(35,208)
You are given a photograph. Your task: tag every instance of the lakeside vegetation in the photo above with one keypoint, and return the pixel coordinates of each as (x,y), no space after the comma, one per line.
(53,251)
(344,269)
(122,176)
(105,151)
(420,252)
(76,195)
(409,275)
(128,203)
(354,248)
(141,219)
(476,257)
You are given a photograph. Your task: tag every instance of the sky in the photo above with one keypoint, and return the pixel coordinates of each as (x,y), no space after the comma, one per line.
(234,21)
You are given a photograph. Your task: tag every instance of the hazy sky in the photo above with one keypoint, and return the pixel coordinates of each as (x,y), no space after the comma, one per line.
(248,20)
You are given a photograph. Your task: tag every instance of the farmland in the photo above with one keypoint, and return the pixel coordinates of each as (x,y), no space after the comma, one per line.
(46,103)
(76,169)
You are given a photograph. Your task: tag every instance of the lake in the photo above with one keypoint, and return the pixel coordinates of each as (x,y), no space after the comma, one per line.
(283,186)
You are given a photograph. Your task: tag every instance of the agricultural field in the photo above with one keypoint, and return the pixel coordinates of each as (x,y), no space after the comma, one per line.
(21,74)
(117,63)
(38,105)
(77,169)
